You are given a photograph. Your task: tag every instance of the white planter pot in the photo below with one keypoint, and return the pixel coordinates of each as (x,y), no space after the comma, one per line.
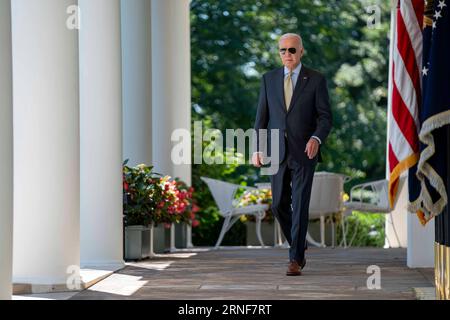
(180,235)
(159,239)
(137,242)
(267,233)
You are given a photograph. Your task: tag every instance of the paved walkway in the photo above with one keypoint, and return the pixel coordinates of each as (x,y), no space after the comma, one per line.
(260,274)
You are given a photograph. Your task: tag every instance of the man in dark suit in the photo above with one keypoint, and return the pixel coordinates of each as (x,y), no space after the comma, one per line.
(293,99)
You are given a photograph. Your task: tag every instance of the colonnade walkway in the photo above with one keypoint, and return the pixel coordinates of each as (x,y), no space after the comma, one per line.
(259,273)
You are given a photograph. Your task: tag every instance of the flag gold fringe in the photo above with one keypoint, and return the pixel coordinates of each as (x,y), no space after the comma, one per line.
(402,166)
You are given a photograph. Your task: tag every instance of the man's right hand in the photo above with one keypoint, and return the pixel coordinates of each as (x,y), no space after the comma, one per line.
(257,159)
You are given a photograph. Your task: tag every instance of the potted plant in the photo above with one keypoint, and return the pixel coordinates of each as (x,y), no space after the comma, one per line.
(141,196)
(152,203)
(177,207)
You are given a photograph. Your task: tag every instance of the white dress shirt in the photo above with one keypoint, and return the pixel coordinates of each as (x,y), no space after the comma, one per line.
(295,74)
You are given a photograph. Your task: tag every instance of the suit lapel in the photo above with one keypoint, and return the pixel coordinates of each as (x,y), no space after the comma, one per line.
(302,80)
(280,88)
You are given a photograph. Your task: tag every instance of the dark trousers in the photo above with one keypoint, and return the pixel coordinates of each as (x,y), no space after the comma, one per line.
(291,194)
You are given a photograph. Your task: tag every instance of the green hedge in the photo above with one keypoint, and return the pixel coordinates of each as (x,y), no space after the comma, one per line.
(369,227)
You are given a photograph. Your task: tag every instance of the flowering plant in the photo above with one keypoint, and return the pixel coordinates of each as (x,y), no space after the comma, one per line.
(176,203)
(148,198)
(141,194)
(257,196)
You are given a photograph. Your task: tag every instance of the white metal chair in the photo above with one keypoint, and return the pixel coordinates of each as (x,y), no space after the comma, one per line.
(224,195)
(369,197)
(326,200)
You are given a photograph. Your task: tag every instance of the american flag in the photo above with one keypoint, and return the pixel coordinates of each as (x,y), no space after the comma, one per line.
(405,92)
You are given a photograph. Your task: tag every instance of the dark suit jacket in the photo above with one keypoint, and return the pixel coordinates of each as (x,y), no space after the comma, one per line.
(309,113)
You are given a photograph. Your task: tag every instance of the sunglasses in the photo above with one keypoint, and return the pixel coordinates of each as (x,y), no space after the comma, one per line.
(291,50)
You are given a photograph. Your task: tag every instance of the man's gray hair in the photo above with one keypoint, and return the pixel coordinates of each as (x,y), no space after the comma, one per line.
(292,35)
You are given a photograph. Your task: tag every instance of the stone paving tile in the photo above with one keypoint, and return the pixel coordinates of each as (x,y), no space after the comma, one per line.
(256,274)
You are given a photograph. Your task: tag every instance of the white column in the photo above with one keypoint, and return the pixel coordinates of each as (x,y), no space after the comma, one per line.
(171,69)
(171,99)
(404,230)
(137,81)
(6,151)
(46,143)
(420,252)
(420,239)
(101,134)
(391,239)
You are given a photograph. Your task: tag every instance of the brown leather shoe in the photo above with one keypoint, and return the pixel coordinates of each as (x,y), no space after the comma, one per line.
(293,269)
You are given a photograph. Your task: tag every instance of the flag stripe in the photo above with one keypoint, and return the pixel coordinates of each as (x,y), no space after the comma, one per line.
(408,91)
(419,10)
(398,143)
(413,13)
(405,95)
(405,121)
(408,55)
(393,161)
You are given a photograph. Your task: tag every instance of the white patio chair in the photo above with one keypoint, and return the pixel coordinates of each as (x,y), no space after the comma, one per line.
(369,197)
(224,195)
(326,200)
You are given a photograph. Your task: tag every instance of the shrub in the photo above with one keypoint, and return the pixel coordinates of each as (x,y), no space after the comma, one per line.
(365,229)
(150,198)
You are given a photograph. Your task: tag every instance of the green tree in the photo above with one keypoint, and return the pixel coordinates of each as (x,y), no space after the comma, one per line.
(235,41)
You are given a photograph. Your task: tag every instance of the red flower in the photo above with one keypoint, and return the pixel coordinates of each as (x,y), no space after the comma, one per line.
(195,223)
(181,208)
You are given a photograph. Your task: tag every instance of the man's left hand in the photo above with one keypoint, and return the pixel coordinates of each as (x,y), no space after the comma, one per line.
(312,147)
